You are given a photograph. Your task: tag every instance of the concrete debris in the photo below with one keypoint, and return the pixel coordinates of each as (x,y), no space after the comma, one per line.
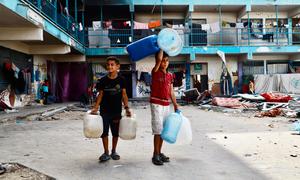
(264,105)
(18,171)
(55,111)
(271,113)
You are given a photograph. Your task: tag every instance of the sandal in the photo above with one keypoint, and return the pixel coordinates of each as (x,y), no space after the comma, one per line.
(157,160)
(115,156)
(164,158)
(104,157)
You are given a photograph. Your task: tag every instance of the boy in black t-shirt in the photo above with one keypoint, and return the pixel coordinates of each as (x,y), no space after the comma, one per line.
(111,94)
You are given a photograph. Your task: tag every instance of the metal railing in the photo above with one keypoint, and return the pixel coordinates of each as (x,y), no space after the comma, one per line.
(66,22)
(198,37)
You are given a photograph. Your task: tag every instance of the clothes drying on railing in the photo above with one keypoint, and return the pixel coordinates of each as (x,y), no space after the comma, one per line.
(154,24)
(215,27)
(138,25)
(96,25)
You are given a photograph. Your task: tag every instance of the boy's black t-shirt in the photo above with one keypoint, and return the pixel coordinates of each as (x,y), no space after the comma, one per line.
(111,103)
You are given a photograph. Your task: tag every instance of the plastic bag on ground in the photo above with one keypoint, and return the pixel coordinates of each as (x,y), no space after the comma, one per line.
(92,125)
(127,128)
(184,136)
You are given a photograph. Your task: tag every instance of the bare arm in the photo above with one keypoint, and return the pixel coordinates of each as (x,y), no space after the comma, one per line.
(173,98)
(158,61)
(98,101)
(125,102)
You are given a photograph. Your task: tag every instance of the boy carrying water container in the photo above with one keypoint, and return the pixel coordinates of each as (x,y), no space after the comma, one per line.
(161,93)
(111,94)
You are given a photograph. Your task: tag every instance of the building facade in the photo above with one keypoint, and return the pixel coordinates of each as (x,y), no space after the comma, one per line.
(252,36)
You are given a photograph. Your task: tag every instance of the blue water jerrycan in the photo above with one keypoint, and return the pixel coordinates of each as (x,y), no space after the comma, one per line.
(169,41)
(171,126)
(143,48)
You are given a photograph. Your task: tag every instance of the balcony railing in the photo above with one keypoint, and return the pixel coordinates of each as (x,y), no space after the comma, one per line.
(198,37)
(67,23)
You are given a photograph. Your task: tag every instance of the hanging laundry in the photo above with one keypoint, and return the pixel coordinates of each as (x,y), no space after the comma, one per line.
(118,25)
(154,24)
(178,77)
(178,26)
(80,27)
(67,11)
(108,24)
(215,27)
(246,24)
(61,7)
(20,82)
(205,27)
(13,66)
(96,25)
(222,56)
(239,25)
(73,26)
(232,24)
(138,25)
(169,25)
(128,23)
(17,72)
(139,73)
(37,75)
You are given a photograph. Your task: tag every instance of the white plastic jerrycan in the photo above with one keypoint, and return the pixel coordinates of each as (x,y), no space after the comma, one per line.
(92,125)
(184,136)
(127,128)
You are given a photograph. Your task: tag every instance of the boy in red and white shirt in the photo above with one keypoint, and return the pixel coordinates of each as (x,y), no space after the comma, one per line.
(161,94)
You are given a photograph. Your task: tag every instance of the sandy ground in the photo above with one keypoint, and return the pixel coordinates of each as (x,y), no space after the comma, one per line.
(225,146)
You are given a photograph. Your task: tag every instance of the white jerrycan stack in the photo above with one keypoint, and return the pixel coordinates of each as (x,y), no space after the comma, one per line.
(92,125)
(127,128)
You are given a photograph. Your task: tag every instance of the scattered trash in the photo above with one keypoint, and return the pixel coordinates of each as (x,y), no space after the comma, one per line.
(292,120)
(2,170)
(11,111)
(271,125)
(116,166)
(271,113)
(296,126)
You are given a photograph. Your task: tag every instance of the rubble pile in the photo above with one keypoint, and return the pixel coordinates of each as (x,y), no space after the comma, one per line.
(268,104)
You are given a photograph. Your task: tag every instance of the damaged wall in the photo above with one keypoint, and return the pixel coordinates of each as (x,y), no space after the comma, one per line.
(215,66)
